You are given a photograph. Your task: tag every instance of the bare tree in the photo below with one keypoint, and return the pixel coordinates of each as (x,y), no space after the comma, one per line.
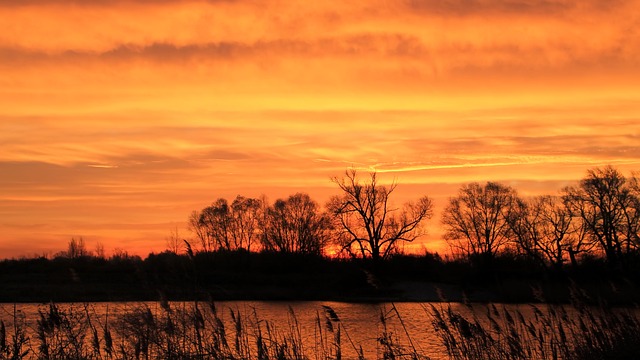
(368,226)
(245,222)
(525,222)
(174,241)
(216,219)
(200,231)
(633,213)
(227,227)
(296,225)
(76,248)
(100,251)
(476,220)
(608,205)
(545,229)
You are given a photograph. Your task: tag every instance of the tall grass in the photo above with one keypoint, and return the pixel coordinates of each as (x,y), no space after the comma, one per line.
(201,330)
(14,340)
(569,332)
(197,331)
(389,342)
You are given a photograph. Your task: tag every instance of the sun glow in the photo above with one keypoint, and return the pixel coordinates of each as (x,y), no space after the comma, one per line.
(117,119)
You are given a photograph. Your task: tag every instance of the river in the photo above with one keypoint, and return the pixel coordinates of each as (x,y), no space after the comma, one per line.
(361,322)
(409,325)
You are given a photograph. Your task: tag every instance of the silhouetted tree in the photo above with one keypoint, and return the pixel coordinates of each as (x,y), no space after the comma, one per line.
(545,229)
(476,220)
(120,254)
(607,203)
(216,219)
(633,213)
(295,225)
(225,227)
(202,234)
(76,248)
(100,251)
(174,242)
(245,222)
(367,225)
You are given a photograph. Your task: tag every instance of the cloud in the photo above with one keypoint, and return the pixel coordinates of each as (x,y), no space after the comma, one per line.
(99,3)
(476,7)
(366,36)
(123,114)
(528,8)
(389,48)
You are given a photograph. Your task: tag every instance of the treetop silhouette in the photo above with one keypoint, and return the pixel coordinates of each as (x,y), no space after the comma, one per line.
(367,224)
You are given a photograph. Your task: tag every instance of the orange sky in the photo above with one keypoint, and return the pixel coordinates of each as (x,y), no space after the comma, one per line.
(118,118)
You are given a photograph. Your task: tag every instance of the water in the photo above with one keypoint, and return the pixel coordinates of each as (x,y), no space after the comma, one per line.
(361,322)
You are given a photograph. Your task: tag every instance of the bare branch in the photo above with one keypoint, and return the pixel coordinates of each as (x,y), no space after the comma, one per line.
(364,216)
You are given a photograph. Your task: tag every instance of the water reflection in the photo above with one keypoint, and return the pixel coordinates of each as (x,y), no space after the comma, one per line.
(408,324)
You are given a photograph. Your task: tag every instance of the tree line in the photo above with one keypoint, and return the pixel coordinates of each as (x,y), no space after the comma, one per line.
(597,217)
(359,222)
(501,242)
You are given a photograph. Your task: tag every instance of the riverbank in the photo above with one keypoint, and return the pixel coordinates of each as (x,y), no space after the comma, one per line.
(287,277)
(284,289)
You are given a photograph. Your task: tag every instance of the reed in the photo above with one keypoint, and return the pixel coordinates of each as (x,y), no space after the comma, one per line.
(14,341)
(201,330)
(576,332)
(392,348)
(192,331)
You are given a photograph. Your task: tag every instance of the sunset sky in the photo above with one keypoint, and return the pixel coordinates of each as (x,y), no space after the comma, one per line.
(118,118)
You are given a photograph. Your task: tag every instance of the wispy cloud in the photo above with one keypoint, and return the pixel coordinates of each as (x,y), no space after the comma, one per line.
(117,118)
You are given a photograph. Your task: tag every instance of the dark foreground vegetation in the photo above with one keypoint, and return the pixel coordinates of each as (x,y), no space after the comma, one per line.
(242,275)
